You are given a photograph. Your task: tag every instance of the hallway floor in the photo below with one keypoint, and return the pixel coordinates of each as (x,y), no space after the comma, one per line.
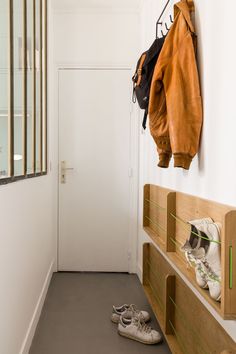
(76,315)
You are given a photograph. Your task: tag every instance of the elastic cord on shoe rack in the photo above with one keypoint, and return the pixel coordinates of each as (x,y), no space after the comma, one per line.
(179,312)
(155,274)
(155,223)
(230,267)
(179,339)
(192,232)
(155,204)
(155,295)
(187,324)
(181,221)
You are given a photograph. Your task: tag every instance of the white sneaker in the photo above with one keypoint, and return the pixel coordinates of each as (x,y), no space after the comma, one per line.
(210,264)
(138,330)
(128,311)
(207,257)
(193,249)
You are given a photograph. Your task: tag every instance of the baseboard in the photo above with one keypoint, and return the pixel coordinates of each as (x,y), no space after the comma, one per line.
(35,318)
(140,273)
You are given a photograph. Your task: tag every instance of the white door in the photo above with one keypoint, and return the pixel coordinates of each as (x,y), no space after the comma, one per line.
(94,141)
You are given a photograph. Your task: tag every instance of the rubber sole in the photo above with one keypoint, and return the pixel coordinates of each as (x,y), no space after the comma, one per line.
(137,339)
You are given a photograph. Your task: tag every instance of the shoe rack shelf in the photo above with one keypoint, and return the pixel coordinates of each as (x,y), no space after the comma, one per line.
(165,217)
(188,326)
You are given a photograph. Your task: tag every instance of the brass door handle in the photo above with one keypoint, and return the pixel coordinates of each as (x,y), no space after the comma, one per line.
(63,171)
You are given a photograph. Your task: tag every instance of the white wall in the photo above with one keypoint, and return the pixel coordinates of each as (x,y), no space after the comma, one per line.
(100,33)
(27,254)
(212,174)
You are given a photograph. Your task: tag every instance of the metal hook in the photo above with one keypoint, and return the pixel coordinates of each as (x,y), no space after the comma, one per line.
(167,27)
(158,24)
(171,19)
(158,21)
(162,33)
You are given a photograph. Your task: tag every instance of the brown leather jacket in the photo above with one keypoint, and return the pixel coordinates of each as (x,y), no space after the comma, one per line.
(175,106)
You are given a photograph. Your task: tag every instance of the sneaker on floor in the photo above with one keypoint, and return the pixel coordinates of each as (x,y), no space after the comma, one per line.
(137,329)
(128,311)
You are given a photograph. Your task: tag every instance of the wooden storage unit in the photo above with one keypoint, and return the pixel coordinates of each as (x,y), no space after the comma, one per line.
(156,219)
(176,210)
(188,326)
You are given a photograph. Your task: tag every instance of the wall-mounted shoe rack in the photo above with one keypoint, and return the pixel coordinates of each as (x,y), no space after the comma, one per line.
(165,219)
(188,326)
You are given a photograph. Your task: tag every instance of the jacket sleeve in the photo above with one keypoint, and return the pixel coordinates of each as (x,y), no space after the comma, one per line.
(184,104)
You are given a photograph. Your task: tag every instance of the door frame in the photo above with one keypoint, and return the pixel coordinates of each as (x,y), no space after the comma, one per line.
(134,126)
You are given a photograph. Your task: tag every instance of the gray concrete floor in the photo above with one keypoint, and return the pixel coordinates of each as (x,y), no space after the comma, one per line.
(76,315)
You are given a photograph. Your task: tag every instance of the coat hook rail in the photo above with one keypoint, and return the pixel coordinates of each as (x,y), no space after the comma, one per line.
(167,27)
(159,23)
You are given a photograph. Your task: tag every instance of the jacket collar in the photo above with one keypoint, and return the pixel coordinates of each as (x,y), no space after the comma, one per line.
(185,7)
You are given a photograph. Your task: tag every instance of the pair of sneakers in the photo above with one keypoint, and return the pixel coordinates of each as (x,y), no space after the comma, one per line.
(132,324)
(202,251)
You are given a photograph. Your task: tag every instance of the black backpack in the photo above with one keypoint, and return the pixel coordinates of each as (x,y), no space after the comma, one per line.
(142,78)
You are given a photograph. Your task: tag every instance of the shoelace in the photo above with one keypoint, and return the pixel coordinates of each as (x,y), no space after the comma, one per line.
(205,269)
(135,311)
(142,326)
(202,266)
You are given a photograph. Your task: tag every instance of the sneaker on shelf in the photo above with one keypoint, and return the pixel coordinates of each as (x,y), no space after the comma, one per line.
(136,329)
(211,262)
(194,248)
(128,311)
(207,258)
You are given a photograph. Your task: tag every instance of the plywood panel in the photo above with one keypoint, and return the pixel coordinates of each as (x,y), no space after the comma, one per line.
(155,213)
(195,330)
(169,214)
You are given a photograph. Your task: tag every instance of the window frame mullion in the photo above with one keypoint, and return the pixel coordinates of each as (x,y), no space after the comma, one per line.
(11,92)
(24,68)
(45,23)
(41,82)
(34,90)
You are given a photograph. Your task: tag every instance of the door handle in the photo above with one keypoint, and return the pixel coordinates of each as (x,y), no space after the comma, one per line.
(63,171)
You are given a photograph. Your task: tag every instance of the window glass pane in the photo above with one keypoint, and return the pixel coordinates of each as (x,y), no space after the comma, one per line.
(4,88)
(38,97)
(30,167)
(18,87)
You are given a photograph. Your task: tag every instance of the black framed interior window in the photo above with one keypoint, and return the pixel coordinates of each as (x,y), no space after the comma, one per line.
(23,89)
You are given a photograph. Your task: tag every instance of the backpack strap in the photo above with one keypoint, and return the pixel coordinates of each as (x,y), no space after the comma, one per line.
(144,125)
(134,98)
(139,71)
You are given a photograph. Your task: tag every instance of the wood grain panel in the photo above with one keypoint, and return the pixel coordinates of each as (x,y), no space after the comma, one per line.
(188,325)
(166,220)
(155,213)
